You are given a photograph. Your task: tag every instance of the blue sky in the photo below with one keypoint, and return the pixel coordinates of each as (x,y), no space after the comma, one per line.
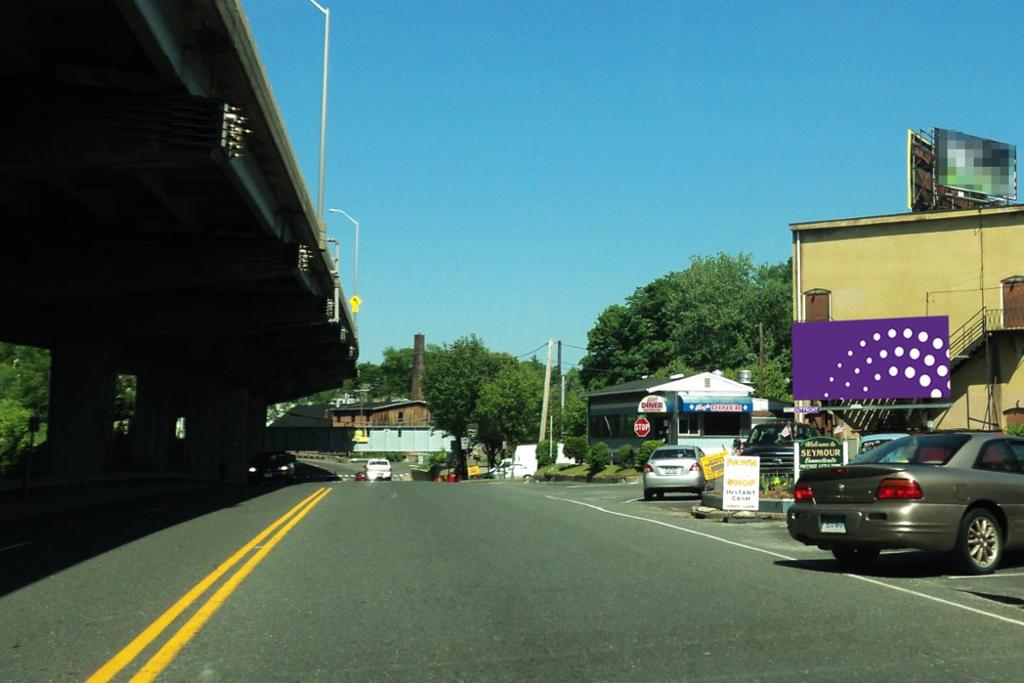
(517,167)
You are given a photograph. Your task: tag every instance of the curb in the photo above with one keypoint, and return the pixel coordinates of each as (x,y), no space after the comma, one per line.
(731,517)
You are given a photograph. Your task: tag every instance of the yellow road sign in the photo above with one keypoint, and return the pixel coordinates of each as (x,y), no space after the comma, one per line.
(354,302)
(473,470)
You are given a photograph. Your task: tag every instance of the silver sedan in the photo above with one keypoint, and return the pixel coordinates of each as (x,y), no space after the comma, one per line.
(673,468)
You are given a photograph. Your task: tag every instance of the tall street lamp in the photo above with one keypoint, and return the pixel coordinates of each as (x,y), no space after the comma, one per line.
(355,267)
(323,110)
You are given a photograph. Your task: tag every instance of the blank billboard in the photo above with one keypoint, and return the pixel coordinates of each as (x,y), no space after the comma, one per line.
(973,164)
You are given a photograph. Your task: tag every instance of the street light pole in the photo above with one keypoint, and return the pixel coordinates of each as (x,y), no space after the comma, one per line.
(323,109)
(355,266)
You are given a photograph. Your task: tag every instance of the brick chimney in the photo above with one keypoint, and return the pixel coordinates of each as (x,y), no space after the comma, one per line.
(416,391)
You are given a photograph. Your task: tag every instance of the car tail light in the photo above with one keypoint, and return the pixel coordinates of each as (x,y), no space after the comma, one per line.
(695,467)
(647,467)
(803,491)
(899,489)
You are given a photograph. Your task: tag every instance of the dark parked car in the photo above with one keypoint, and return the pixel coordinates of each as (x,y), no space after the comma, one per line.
(957,492)
(773,442)
(272,466)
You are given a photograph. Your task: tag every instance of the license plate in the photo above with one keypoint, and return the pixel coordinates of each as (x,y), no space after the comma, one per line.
(670,470)
(268,474)
(833,524)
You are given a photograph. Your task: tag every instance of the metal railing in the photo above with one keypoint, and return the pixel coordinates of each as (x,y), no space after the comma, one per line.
(981,323)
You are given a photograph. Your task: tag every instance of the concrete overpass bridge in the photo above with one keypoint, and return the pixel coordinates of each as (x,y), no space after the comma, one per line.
(155,223)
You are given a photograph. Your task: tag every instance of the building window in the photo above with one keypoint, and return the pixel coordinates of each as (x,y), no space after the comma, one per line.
(722,424)
(817,305)
(689,424)
(399,417)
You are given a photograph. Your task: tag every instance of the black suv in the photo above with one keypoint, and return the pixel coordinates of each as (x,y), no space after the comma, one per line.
(773,443)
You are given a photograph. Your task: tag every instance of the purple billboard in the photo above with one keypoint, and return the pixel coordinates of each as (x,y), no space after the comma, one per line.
(868,359)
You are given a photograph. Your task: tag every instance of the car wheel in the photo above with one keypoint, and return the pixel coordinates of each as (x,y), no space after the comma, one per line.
(979,546)
(855,558)
(648,494)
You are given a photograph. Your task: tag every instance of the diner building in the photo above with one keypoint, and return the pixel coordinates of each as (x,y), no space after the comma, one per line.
(706,409)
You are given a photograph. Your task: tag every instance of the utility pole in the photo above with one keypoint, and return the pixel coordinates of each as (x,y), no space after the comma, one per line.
(547,393)
(760,342)
(561,395)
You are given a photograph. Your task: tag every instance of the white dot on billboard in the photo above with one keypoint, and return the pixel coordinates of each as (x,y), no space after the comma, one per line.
(936,393)
(893,371)
(826,394)
(899,352)
(870,360)
(942,370)
(863,343)
(907,333)
(839,365)
(922,337)
(865,389)
(937,343)
(924,380)
(877,376)
(929,360)
(847,385)
(891,333)
(910,372)
(876,336)
(915,354)
(831,379)
(849,353)
(856,371)
(883,354)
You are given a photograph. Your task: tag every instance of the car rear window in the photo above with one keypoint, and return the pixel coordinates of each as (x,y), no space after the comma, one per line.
(926,449)
(377,462)
(673,453)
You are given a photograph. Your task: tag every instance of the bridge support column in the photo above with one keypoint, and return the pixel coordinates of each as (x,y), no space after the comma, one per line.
(81,408)
(157,407)
(218,432)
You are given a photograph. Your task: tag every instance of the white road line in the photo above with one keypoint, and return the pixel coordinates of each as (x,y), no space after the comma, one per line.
(865,579)
(16,545)
(983,576)
(632,500)
(677,528)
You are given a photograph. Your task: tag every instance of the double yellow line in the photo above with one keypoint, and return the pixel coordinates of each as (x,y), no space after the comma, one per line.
(163,657)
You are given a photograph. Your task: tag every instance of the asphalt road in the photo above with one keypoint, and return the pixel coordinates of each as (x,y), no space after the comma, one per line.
(477,581)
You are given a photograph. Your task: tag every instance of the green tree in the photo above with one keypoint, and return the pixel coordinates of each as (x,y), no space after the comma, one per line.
(702,318)
(452,382)
(508,407)
(547,453)
(627,456)
(576,448)
(646,448)
(600,457)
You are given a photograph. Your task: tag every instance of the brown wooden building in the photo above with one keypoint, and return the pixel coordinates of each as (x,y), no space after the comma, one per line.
(408,413)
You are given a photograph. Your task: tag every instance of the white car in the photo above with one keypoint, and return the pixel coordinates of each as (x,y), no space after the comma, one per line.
(378,468)
(506,470)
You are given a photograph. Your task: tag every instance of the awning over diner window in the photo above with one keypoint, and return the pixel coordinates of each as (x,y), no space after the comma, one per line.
(716,404)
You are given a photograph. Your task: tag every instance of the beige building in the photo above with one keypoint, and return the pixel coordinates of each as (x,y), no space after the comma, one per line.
(968,265)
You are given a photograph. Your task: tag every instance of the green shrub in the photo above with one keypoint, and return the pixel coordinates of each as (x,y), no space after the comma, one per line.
(600,457)
(646,448)
(627,456)
(547,453)
(438,458)
(1015,430)
(576,448)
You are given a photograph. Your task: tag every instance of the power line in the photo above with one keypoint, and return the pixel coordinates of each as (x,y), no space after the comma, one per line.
(528,353)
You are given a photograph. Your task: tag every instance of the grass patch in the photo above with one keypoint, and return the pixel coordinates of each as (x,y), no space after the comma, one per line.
(616,472)
(574,471)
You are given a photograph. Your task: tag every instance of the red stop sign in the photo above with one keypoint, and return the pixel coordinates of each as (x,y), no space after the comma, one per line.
(642,427)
